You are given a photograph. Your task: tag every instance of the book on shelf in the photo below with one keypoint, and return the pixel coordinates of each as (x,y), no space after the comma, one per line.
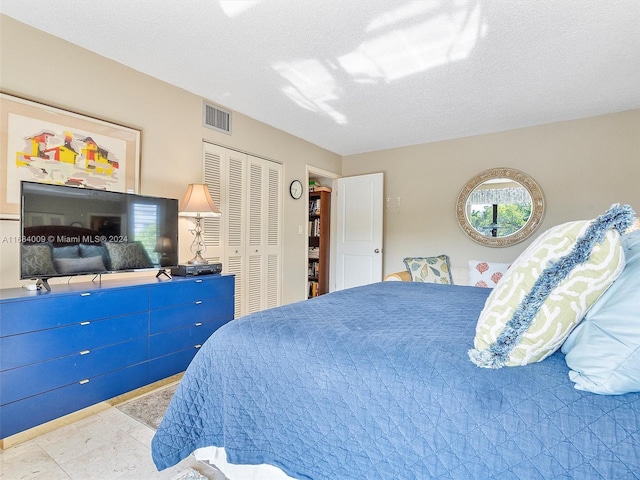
(314,207)
(314,227)
(313,289)
(313,270)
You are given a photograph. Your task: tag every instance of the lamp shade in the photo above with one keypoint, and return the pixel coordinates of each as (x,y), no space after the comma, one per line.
(198,203)
(164,245)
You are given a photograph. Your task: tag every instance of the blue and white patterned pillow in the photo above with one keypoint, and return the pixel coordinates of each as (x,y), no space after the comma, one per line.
(429,269)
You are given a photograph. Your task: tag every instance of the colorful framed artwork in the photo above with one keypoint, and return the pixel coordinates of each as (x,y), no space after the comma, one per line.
(45,144)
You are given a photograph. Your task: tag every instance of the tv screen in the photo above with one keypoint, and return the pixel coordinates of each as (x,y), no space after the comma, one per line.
(78,231)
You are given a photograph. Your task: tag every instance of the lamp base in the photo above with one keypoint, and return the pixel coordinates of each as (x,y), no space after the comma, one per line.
(198,260)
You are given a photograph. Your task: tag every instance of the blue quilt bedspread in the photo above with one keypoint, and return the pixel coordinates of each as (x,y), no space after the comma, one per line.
(375,383)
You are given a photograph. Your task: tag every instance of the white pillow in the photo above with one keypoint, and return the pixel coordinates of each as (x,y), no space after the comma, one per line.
(486,274)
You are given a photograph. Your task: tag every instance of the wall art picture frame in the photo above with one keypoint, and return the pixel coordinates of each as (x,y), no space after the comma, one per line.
(47,144)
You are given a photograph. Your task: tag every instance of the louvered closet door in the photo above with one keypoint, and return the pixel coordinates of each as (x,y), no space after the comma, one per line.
(213,162)
(250,198)
(273,235)
(235,250)
(264,244)
(225,236)
(255,245)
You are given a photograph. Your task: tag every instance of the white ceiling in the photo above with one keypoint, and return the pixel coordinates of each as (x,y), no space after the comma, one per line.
(361,75)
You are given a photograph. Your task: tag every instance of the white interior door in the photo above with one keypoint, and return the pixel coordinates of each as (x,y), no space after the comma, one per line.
(359,230)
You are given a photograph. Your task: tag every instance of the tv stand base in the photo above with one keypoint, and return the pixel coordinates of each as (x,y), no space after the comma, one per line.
(163,271)
(43,282)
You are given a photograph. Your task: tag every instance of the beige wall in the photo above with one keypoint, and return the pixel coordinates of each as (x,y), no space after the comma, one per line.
(583,167)
(43,68)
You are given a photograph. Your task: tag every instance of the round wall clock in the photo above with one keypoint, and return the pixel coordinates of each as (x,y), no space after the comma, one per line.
(295,189)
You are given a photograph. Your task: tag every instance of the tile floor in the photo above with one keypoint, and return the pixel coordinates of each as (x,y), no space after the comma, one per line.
(109,445)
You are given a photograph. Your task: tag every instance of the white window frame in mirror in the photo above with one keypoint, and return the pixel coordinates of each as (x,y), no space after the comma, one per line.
(537,207)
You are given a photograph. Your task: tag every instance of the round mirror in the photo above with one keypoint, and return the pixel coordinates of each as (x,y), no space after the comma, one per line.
(500,207)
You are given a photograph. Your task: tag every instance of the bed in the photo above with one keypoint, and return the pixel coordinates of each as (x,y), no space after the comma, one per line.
(376,382)
(382,381)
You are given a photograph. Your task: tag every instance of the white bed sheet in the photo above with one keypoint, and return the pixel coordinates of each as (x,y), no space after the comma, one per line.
(218,457)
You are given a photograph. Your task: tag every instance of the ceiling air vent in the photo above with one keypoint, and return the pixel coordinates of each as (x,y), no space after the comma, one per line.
(216,118)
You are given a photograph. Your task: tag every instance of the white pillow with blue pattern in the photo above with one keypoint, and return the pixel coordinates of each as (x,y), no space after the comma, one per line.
(429,269)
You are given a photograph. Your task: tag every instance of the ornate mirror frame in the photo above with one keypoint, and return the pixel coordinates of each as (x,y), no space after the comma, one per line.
(537,207)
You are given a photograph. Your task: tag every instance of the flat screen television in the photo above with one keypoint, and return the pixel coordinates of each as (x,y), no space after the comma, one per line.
(69,231)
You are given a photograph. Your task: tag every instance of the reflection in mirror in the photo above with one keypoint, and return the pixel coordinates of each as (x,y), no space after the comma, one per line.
(500,207)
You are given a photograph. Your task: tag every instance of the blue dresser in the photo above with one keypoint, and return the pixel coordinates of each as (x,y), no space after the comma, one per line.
(182,316)
(81,344)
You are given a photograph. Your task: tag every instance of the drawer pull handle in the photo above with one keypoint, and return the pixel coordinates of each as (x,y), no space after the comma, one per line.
(199,281)
(84,352)
(85,323)
(85,294)
(198,345)
(198,302)
(198,324)
(82,382)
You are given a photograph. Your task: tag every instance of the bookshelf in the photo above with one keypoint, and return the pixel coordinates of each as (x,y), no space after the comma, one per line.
(319,230)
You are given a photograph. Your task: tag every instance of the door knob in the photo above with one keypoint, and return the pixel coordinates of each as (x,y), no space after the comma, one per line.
(377,250)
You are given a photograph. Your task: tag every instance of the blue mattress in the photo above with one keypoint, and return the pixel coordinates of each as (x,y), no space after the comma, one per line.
(374,382)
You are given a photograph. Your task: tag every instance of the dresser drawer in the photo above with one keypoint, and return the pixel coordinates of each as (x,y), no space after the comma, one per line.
(33,411)
(182,292)
(168,365)
(199,311)
(24,382)
(181,339)
(44,312)
(20,350)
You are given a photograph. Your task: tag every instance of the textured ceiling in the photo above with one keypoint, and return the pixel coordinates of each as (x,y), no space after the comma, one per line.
(356,76)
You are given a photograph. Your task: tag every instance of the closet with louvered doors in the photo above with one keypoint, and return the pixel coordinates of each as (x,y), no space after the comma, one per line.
(247,238)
